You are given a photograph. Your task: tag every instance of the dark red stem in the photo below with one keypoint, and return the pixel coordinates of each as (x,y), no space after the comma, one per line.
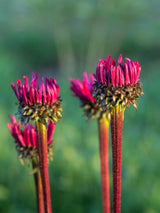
(103,125)
(38,184)
(43,160)
(116,130)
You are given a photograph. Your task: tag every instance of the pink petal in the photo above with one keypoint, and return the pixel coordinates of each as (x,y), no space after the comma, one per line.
(24,95)
(15,90)
(26,84)
(117,77)
(127,78)
(113,75)
(120,59)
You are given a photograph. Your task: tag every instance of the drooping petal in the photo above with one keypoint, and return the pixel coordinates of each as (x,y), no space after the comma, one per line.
(15,90)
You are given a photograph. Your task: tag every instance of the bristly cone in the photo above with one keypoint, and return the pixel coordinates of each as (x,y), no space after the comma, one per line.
(31,153)
(38,101)
(93,110)
(109,97)
(40,112)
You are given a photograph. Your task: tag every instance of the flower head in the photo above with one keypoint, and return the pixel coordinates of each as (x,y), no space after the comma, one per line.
(37,101)
(26,138)
(84,91)
(117,84)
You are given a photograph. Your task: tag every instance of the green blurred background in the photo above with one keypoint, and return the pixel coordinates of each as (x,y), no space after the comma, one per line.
(62,38)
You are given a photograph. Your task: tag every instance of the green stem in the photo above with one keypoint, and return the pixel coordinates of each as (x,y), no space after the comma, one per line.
(103,125)
(116,130)
(38,184)
(43,160)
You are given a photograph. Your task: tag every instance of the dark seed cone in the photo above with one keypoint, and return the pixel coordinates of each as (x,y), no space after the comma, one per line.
(40,112)
(109,97)
(93,111)
(116,130)
(31,153)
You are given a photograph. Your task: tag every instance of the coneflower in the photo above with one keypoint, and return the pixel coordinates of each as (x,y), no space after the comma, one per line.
(84,91)
(40,104)
(116,87)
(26,144)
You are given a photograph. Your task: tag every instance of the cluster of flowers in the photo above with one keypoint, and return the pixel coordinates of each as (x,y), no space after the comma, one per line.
(40,104)
(104,95)
(47,93)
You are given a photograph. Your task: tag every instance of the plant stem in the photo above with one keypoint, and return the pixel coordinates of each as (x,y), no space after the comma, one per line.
(38,184)
(116,130)
(103,125)
(43,160)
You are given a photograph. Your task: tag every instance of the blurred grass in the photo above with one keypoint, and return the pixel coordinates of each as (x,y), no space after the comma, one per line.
(62,39)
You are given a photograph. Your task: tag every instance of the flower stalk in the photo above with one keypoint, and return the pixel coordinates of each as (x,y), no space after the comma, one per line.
(38,184)
(43,160)
(103,125)
(116,131)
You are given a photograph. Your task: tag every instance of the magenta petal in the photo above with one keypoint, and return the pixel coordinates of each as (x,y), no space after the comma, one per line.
(131,73)
(85,77)
(97,72)
(107,63)
(15,90)
(120,60)
(19,86)
(113,63)
(117,77)
(42,91)
(91,78)
(26,84)
(113,75)
(13,119)
(121,77)
(138,68)
(127,78)
(48,93)
(101,72)
(10,128)
(24,95)
(37,98)
(19,136)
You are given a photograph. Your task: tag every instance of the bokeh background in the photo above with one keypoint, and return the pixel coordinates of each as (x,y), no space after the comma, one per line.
(63,38)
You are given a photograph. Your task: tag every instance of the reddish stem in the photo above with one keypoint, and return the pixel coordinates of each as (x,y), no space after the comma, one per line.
(38,184)
(116,130)
(43,160)
(103,125)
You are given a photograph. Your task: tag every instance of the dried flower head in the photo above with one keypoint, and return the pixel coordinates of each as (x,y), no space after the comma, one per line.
(38,102)
(84,90)
(26,139)
(117,84)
